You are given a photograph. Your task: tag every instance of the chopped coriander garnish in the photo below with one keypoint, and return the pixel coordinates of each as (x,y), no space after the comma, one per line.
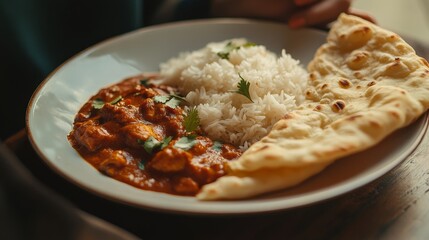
(116,100)
(249,44)
(224,54)
(191,120)
(165,142)
(243,88)
(144,82)
(97,103)
(186,143)
(228,48)
(141,165)
(178,97)
(152,144)
(173,102)
(161,98)
(217,146)
(170,100)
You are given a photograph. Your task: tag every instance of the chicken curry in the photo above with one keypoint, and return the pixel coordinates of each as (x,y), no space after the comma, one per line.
(141,133)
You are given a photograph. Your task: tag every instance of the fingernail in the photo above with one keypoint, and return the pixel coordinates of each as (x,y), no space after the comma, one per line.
(296,22)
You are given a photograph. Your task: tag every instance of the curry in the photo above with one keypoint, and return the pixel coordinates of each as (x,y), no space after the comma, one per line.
(139,133)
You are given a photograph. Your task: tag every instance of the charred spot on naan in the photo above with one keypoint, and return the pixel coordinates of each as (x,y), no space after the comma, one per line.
(338,106)
(370,84)
(344,83)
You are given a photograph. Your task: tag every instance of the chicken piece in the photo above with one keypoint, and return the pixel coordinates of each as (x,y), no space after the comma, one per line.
(120,114)
(92,136)
(174,127)
(114,161)
(230,152)
(135,132)
(153,111)
(207,168)
(186,186)
(170,159)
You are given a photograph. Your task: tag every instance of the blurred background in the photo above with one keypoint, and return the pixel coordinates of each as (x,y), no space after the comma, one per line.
(405,17)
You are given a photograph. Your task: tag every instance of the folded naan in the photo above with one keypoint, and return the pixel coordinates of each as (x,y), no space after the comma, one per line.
(364,83)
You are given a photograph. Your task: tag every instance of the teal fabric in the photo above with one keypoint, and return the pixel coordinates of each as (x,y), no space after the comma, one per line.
(36,36)
(50,31)
(39,35)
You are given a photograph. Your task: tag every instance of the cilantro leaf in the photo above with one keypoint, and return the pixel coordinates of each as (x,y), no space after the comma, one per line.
(170,100)
(243,88)
(224,54)
(186,143)
(173,102)
(161,98)
(217,146)
(249,44)
(165,142)
(151,144)
(97,103)
(141,165)
(191,120)
(178,97)
(144,82)
(116,100)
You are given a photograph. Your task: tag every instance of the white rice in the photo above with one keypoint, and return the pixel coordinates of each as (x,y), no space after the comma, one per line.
(209,82)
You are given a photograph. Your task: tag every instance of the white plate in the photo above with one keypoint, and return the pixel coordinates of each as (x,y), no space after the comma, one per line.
(53,106)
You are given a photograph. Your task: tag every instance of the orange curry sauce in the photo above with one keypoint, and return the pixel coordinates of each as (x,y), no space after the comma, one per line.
(127,133)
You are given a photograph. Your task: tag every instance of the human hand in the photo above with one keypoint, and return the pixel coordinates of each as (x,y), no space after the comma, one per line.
(297,13)
(279,10)
(321,12)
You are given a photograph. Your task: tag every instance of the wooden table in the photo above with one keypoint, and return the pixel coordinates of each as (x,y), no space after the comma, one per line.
(395,206)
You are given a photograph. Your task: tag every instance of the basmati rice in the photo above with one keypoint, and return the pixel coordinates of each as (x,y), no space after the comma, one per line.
(209,82)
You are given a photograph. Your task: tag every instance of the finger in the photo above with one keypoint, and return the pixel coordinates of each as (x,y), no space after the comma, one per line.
(301,3)
(320,13)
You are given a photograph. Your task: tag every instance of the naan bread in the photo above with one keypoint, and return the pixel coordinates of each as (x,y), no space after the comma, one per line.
(364,83)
